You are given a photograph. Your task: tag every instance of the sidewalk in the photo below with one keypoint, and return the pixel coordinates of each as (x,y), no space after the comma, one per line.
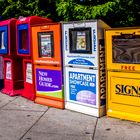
(21,119)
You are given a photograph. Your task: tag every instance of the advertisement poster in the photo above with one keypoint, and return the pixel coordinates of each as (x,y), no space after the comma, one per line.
(8,71)
(81,41)
(46,45)
(29,73)
(48,80)
(82,87)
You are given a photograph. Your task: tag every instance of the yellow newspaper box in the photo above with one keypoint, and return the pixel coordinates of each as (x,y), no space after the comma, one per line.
(123,73)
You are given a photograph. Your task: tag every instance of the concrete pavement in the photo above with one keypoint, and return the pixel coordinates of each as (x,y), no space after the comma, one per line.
(22,119)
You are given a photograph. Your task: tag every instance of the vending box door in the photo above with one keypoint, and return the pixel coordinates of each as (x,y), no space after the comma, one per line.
(4,39)
(81,87)
(46,42)
(123,95)
(123,49)
(81,42)
(82,91)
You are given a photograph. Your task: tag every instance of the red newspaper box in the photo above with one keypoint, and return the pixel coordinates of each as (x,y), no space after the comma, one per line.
(13,78)
(24,49)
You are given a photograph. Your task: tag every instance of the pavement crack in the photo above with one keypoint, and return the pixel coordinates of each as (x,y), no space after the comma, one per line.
(33,124)
(24,110)
(95,129)
(8,103)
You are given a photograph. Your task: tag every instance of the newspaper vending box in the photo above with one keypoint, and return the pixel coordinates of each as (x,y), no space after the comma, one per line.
(12,85)
(84,66)
(123,73)
(47,60)
(24,42)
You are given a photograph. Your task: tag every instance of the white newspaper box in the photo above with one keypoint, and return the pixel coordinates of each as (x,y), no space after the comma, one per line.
(84,66)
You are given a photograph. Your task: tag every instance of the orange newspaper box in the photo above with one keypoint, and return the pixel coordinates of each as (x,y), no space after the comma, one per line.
(47,60)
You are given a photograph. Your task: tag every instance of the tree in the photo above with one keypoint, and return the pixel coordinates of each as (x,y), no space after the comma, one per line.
(116,13)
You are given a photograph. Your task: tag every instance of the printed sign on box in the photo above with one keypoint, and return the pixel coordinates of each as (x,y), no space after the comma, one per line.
(48,80)
(82,87)
(8,71)
(29,73)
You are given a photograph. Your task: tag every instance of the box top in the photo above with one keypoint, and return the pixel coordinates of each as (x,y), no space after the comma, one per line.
(7,22)
(33,20)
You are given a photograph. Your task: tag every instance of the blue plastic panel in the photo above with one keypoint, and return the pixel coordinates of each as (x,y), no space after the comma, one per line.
(23,39)
(4,39)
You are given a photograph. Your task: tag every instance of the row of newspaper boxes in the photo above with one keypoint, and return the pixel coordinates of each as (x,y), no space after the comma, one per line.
(73,65)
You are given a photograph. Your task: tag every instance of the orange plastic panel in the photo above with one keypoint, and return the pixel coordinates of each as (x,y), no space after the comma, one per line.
(54,29)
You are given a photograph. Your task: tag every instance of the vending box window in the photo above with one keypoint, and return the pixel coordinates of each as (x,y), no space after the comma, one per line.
(7,37)
(46,44)
(24,36)
(126,48)
(3,40)
(80,40)
(84,66)
(123,73)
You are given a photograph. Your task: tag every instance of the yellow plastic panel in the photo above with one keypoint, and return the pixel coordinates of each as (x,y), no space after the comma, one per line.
(123,95)
(129,67)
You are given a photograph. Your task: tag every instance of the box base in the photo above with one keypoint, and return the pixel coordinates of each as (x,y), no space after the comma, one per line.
(28,91)
(12,92)
(12,88)
(50,102)
(97,112)
(123,115)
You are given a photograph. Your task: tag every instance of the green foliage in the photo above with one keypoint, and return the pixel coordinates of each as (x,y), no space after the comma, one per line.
(116,12)
(16,8)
